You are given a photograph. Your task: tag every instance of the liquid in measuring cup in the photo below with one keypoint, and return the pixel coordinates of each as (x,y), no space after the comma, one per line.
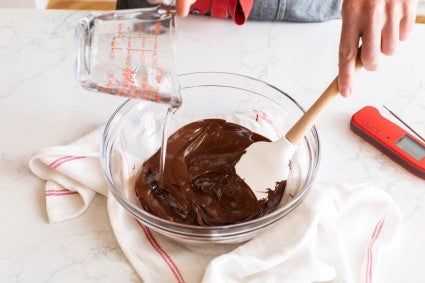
(129,53)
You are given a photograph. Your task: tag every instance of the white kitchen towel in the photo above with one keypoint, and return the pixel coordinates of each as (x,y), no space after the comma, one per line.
(338,234)
(73,176)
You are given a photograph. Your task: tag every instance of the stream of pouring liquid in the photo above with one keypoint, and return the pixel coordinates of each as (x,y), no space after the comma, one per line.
(164,141)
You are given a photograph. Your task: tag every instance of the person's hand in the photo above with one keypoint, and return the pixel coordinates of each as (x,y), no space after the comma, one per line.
(182,6)
(380,24)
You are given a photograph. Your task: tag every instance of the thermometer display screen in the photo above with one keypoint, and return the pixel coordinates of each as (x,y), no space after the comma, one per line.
(412,147)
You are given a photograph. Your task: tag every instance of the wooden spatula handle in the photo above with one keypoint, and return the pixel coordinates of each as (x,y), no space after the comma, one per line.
(304,124)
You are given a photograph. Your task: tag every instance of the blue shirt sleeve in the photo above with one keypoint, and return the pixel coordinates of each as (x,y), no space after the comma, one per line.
(295,10)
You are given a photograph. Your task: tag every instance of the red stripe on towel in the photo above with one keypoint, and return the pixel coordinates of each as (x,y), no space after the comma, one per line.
(166,257)
(375,235)
(63,192)
(58,162)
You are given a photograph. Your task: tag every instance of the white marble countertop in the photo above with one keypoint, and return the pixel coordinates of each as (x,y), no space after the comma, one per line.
(42,105)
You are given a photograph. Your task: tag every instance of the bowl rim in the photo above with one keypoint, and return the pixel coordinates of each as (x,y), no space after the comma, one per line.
(207,232)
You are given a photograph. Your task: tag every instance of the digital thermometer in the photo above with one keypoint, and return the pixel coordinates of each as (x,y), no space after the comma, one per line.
(394,141)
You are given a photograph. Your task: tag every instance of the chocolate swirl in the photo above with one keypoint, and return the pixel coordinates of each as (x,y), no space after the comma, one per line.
(200,185)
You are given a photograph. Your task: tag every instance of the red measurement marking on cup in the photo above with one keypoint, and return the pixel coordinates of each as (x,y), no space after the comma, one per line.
(146,47)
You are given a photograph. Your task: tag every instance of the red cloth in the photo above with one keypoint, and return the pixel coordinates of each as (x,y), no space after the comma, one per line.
(237,9)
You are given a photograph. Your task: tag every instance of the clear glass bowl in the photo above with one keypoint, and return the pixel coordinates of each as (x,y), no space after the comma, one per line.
(134,133)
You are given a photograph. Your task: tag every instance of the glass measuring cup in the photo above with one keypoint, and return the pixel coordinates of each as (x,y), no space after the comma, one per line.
(129,53)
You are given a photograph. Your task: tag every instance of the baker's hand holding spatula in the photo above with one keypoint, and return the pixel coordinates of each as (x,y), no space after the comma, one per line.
(379,25)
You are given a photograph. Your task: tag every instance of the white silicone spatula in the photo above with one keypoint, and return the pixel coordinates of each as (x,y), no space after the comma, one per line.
(266,163)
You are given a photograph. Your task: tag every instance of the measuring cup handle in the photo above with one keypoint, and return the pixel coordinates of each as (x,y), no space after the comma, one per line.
(81,66)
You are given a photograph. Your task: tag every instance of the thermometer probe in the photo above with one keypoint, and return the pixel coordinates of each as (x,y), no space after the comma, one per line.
(394,141)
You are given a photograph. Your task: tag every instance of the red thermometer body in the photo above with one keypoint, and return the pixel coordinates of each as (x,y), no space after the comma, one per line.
(394,141)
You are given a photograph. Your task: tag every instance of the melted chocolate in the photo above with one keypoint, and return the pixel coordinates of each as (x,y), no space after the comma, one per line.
(200,185)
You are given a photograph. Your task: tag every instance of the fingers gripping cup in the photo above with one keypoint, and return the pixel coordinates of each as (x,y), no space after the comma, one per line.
(129,53)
